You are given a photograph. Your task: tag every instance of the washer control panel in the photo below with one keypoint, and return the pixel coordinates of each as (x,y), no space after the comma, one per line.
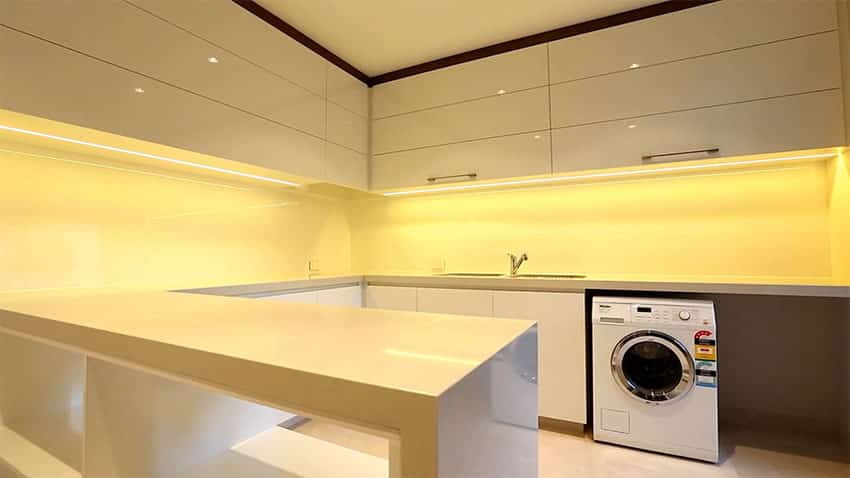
(649,311)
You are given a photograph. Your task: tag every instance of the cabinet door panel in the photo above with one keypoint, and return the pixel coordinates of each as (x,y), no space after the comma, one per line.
(347,91)
(246,36)
(98,95)
(805,121)
(348,129)
(562,372)
(721,26)
(504,157)
(507,114)
(350,296)
(121,34)
(294,297)
(346,167)
(455,301)
(513,71)
(391,298)
(788,67)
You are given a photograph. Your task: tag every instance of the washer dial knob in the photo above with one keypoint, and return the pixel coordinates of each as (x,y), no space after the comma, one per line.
(684,315)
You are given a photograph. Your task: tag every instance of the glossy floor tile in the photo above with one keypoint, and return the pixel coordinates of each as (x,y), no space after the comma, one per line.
(748,455)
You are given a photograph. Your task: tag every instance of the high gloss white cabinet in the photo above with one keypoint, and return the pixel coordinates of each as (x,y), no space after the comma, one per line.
(491,76)
(788,67)
(493,158)
(391,298)
(706,29)
(561,348)
(561,334)
(351,296)
(511,113)
(810,120)
(455,301)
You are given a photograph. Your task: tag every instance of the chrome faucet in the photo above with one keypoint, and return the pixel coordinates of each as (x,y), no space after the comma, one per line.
(516,262)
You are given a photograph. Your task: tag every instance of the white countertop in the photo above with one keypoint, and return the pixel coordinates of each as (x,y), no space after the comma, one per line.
(405,351)
(756,285)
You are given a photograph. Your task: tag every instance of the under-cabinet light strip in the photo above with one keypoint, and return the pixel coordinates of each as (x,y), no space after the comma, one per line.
(147,155)
(614,174)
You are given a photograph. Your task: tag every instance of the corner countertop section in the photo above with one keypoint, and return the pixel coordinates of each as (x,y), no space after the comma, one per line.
(795,286)
(327,347)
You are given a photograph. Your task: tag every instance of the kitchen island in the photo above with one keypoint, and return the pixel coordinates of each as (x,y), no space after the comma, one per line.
(167,383)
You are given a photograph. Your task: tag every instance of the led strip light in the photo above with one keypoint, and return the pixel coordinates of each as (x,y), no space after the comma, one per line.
(615,174)
(147,155)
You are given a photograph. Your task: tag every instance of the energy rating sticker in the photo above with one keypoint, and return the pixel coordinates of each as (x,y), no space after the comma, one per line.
(705,352)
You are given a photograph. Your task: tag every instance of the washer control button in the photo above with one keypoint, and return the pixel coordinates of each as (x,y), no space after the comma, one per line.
(684,315)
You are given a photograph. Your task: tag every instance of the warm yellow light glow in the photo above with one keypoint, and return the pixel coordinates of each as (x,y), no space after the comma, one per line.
(146,155)
(429,357)
(613,174)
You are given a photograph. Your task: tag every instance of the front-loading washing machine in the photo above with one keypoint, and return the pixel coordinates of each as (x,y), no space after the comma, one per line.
(655,375)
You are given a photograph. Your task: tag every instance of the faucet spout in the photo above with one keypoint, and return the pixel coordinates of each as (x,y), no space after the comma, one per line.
(516,262)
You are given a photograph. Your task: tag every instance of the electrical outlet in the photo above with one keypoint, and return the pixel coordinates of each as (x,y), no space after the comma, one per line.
(313,266)
(438,265)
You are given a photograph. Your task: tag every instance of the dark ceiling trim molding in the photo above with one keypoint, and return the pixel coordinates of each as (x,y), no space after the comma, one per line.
(617,19)
(260,12)
(642,13)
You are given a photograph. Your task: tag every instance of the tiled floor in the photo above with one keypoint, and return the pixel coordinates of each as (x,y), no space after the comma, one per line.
(569,456)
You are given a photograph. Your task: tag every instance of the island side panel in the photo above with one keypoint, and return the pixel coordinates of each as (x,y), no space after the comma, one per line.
(487,422)
(139,424)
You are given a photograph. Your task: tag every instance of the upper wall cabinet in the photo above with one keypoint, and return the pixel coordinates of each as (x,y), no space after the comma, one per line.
(511,113)
(229,26)
(702,30)
(787,67)
(59,84)
(125,35)
(509,72)
(347,91)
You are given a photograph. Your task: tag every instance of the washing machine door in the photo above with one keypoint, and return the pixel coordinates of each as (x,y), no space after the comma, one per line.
(653,367)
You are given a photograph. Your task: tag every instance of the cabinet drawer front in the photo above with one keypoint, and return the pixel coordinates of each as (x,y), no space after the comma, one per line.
(513,71)
(804,121)
(97,95)
(787,67)
(503,115)
(455,301)
(131,38)
(348,129)
(507,156)
(712,28)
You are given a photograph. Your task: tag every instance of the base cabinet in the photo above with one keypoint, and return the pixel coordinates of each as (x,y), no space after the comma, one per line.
(562,383)
(561,348)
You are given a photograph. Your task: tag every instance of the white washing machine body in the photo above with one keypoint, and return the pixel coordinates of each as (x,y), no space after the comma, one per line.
(655,375)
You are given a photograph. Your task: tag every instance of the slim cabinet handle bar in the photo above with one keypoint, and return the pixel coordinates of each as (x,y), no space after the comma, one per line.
(650,157)
(455,176)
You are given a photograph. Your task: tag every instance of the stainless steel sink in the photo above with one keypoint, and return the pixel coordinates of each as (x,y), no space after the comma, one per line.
(472,274)
(551,276)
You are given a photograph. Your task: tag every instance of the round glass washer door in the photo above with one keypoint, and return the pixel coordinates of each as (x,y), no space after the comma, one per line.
(653,367)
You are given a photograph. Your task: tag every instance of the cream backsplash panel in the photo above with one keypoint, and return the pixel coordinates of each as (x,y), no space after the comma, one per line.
(762,223)
(68,224)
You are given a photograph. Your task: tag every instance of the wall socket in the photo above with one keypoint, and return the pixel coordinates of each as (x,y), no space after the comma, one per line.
(313,266)
(438,265)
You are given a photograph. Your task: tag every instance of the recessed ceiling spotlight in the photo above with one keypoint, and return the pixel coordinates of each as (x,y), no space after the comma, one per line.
(501,92)
(139,90)
(632,126)
(536,136)
(634,65)
(212,59)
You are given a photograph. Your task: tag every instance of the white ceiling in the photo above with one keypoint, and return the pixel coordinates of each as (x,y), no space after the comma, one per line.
(377,36)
